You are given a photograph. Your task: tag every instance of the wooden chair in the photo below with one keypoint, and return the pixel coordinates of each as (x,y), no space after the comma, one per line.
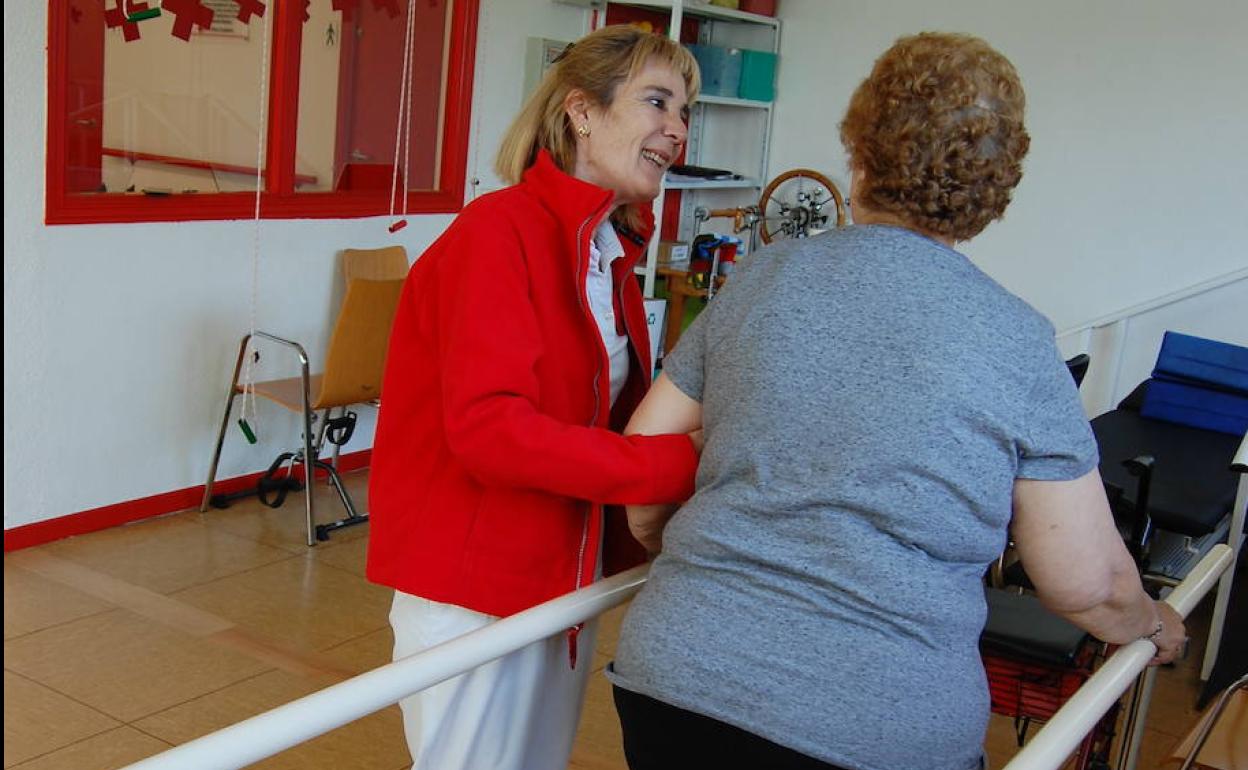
(354,364)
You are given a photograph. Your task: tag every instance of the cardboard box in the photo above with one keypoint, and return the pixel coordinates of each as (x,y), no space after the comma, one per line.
(673,251)
(1227,746)
(656,314)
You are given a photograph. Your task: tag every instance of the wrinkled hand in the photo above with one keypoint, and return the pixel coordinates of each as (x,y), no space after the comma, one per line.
(646,523)
(1172,641)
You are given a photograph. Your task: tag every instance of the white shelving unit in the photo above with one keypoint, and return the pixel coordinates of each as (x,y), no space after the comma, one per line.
(724,131)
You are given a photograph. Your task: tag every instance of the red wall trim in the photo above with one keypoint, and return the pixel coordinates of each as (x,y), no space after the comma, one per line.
(144,508)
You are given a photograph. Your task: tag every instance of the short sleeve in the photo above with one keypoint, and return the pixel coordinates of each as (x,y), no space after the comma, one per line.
(686,365)
(1058,444)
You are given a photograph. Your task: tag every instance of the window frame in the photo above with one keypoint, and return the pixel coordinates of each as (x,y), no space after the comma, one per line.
(278,199)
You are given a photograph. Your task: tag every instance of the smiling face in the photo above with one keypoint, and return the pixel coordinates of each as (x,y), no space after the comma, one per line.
(626,147)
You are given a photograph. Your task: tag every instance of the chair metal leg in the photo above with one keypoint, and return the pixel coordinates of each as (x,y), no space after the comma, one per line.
(309,459)
(1212,721)
(1133,730)
(225,421)
(353,517)
(1235,539)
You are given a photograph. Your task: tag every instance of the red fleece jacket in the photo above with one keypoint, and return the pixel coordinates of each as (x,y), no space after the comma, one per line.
(496,447)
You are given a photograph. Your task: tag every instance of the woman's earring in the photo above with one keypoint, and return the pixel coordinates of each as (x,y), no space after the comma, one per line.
(583,129)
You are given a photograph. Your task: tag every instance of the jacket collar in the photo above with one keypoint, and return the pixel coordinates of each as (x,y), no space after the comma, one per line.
(574,200)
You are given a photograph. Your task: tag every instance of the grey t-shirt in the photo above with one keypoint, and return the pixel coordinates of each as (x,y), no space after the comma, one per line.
(869,397)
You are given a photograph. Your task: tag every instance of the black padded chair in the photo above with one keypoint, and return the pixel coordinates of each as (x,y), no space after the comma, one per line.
(1190,501)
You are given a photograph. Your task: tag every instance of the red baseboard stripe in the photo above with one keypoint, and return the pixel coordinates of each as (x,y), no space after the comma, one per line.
(114,515)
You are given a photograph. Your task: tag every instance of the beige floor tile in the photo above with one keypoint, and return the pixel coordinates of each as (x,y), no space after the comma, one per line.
(375,741)
(33,603)
(347,555)
(1172,708)
(223,707)
(301,603)
(38,720)
(285,527)
(365,653)
(1001,743)
(598,745)
(125,665)
(106,751)
(608,636)
(166,554)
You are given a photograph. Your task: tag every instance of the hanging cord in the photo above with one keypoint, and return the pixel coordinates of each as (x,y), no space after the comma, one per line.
(403,128)
(249,380)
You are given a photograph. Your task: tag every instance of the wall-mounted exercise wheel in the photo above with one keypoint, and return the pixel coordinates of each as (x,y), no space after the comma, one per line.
(799,203)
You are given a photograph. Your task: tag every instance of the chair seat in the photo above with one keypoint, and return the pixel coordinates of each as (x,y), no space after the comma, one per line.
(289,392)
(1193,487)
(1019,626)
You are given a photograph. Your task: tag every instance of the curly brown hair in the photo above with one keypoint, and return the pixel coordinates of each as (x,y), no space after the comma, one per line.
(937,131)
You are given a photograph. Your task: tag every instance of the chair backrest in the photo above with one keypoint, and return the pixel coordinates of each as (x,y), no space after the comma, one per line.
(374,264)
(357,348)
(1078,367)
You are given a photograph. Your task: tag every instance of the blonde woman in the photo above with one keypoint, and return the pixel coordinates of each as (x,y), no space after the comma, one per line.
(518,353)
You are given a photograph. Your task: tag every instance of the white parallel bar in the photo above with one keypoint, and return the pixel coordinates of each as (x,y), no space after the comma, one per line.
(1235,539)
(1061,735)
(266,734)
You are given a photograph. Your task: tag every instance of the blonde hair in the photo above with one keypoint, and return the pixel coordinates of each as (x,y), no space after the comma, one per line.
(937,129)
(596,64)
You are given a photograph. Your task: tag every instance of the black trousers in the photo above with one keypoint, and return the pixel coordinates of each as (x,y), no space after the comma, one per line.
(659,736)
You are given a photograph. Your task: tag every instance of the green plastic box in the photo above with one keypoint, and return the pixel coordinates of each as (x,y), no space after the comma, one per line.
(758,75)
(721,68)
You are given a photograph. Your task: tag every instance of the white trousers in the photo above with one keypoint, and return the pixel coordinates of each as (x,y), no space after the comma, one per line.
(518,712)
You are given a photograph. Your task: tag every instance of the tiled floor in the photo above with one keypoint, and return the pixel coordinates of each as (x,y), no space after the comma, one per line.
(122,643)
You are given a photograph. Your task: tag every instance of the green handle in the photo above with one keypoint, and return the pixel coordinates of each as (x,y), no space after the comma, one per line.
(247,431)
(150,13)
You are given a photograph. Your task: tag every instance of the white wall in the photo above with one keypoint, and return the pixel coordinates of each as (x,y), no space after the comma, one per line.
(1138,110)
(119,339)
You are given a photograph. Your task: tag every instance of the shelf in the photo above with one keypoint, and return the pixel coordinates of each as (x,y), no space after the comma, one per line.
(708,11)
(712,184)
(732,101)
(719,12)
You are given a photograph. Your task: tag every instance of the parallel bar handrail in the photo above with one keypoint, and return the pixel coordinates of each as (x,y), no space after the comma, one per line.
(1054,743)
(266,734)
(301,720)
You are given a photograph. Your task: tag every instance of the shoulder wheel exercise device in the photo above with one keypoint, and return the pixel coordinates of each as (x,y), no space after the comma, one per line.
(799,203)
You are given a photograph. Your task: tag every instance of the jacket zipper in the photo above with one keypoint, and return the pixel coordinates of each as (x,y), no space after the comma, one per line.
(581,277)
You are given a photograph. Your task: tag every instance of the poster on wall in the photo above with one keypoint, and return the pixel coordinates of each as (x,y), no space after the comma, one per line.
(539,55)
(225,23)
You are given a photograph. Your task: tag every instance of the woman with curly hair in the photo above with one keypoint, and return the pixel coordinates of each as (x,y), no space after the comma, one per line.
(878,413)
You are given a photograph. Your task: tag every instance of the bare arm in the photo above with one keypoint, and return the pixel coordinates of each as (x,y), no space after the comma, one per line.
(1080,567)
(665,409)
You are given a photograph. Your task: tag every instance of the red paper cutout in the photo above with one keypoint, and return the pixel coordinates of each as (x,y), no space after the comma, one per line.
(248,7)
(189,13)
(116,17)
